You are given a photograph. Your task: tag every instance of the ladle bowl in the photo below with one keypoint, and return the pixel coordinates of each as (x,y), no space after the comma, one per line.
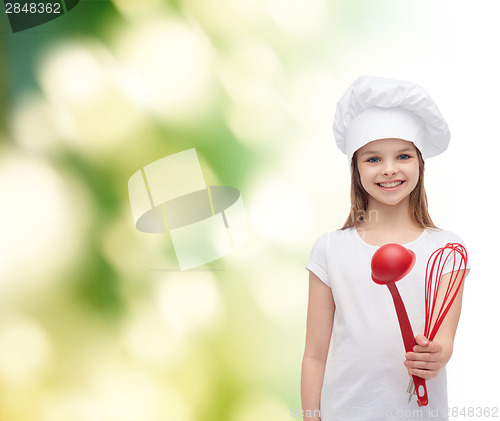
(391,262)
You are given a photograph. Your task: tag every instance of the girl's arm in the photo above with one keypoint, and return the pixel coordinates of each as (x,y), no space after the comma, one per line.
(429,357)
(321,308)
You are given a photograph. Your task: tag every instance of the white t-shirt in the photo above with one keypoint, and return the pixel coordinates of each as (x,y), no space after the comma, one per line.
(365,378)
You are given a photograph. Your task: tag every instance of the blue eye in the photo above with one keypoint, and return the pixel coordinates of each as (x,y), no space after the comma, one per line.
(403,156)
(373,159)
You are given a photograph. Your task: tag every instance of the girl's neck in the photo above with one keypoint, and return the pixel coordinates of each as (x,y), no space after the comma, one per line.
(388,224)
(389,218)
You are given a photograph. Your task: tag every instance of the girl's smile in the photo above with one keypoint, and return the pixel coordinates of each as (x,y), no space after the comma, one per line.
(391,185)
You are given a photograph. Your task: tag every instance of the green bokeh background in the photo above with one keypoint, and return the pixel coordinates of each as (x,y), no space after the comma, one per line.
(96,321)
(102,325)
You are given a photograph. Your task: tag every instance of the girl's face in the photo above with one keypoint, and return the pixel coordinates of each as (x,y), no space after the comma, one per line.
(388,169)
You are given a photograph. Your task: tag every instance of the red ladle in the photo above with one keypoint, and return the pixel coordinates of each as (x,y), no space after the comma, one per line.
(390,263)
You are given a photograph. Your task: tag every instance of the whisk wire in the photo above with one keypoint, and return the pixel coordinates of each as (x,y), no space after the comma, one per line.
(433,275)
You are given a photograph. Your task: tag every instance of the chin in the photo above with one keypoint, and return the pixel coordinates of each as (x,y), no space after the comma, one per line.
(391,203)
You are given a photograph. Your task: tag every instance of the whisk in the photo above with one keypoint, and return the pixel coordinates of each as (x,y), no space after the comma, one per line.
(438,302)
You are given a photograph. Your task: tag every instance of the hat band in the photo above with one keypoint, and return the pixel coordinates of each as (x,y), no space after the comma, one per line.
(384,123)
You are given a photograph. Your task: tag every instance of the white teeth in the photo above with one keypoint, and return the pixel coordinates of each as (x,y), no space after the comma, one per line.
(393,184)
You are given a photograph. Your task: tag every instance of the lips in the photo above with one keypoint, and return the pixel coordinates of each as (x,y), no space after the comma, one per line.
(390,185)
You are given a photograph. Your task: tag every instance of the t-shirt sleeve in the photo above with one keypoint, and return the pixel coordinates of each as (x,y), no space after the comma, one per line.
(455,260)
(318,262)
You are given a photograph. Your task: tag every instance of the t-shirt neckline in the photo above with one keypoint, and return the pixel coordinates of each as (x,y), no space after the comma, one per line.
(356,234)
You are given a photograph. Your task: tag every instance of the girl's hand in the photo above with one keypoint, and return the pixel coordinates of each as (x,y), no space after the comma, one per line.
(426,359)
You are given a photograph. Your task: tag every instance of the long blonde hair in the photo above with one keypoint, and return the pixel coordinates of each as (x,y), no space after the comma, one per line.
(359,198)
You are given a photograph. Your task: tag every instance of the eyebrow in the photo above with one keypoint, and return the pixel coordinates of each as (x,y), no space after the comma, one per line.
(377,152)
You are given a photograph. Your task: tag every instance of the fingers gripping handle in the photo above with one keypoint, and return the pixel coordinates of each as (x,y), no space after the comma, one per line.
(409,340)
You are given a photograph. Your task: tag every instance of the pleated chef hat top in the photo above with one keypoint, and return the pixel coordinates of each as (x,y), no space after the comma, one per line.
(376,108)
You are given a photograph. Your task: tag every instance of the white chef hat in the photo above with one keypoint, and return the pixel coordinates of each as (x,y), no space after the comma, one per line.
(376,108)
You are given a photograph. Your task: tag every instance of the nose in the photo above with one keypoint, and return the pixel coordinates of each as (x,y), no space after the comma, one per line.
(389,169)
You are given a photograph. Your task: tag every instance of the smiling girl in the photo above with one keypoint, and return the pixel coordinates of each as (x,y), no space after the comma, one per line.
(354,365)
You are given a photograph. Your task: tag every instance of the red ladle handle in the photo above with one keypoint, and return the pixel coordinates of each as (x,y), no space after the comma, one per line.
(408,339)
